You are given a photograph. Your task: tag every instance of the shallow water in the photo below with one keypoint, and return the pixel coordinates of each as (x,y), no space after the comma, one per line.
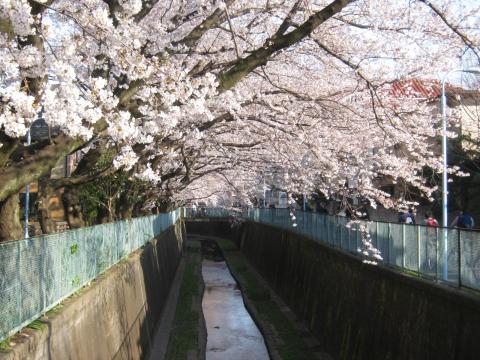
(232,334)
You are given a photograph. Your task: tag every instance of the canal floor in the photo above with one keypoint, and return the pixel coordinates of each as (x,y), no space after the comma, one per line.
(231,332)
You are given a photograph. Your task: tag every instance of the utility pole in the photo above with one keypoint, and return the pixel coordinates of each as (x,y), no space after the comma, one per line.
(445,164)
(27,194)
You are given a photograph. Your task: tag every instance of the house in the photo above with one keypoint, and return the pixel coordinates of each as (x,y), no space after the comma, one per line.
(427,91)
(430,91)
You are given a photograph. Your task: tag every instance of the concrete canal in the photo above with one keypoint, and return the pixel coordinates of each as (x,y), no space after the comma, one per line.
(231,332)
(309,301)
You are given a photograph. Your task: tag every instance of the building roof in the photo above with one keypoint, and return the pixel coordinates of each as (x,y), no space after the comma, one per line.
(428,89)
(416,89)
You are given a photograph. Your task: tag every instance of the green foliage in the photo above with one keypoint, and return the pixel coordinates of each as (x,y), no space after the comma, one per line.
(102,196)
(73,249)
(76,281)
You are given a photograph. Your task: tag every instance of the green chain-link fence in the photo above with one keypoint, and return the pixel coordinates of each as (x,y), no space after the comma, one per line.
(445,254)
(38,273)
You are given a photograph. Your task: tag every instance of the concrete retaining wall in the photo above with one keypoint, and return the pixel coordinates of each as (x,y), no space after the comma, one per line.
(220,227)
(359,311)
(115,317)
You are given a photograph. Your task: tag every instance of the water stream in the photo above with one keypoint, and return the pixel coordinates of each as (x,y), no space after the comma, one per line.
(232,334)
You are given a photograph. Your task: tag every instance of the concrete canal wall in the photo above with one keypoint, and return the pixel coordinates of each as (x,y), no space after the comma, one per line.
(114,317)
(359,311)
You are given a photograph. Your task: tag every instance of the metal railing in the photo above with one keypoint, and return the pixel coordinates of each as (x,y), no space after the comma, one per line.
(211,212)
(445,254)
(38,273)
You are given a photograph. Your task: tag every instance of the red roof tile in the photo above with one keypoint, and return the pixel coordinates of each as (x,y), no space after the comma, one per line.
(416,89)
(426,89)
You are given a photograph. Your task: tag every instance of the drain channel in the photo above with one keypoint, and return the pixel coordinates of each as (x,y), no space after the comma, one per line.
(231,332)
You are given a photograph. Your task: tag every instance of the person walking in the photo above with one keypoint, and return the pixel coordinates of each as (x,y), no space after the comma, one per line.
(194,209)
(463,220)
(430,221)
(407,218)
(431,240)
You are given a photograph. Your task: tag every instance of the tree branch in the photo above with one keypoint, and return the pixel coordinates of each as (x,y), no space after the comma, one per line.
(217,17)
(469,43)
(259,57)
(33,166)
(81,179)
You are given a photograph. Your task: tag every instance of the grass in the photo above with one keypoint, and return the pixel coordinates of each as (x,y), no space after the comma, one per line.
(289,343)
(55,310)
(227,245)
(5,345)
(411,272)
(37,325)
(184,335)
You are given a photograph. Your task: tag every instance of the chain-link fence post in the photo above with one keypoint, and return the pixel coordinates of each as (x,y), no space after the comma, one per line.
(388,243)
(437,257)
(459,259)
(19,278)
(403,246)
(418,249)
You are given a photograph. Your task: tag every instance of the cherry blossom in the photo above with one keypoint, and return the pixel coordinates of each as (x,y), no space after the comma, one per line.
(203,97)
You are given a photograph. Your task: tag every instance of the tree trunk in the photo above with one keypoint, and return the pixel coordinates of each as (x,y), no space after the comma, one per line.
(137,209)
(105,213)
(73,208)
(10,226)
(45,193)
(124,207)
(111,209)
(165,205)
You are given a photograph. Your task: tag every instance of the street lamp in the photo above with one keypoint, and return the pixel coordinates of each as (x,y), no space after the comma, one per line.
(445,176)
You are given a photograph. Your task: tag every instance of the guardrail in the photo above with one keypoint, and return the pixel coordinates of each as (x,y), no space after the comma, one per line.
(445,254)
(38,273)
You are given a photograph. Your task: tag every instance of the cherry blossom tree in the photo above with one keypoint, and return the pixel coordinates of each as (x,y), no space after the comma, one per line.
(198,96)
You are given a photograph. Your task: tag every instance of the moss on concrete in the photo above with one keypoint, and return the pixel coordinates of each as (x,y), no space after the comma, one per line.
(227,245)
(55,310)
(184,338)
(5,345)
